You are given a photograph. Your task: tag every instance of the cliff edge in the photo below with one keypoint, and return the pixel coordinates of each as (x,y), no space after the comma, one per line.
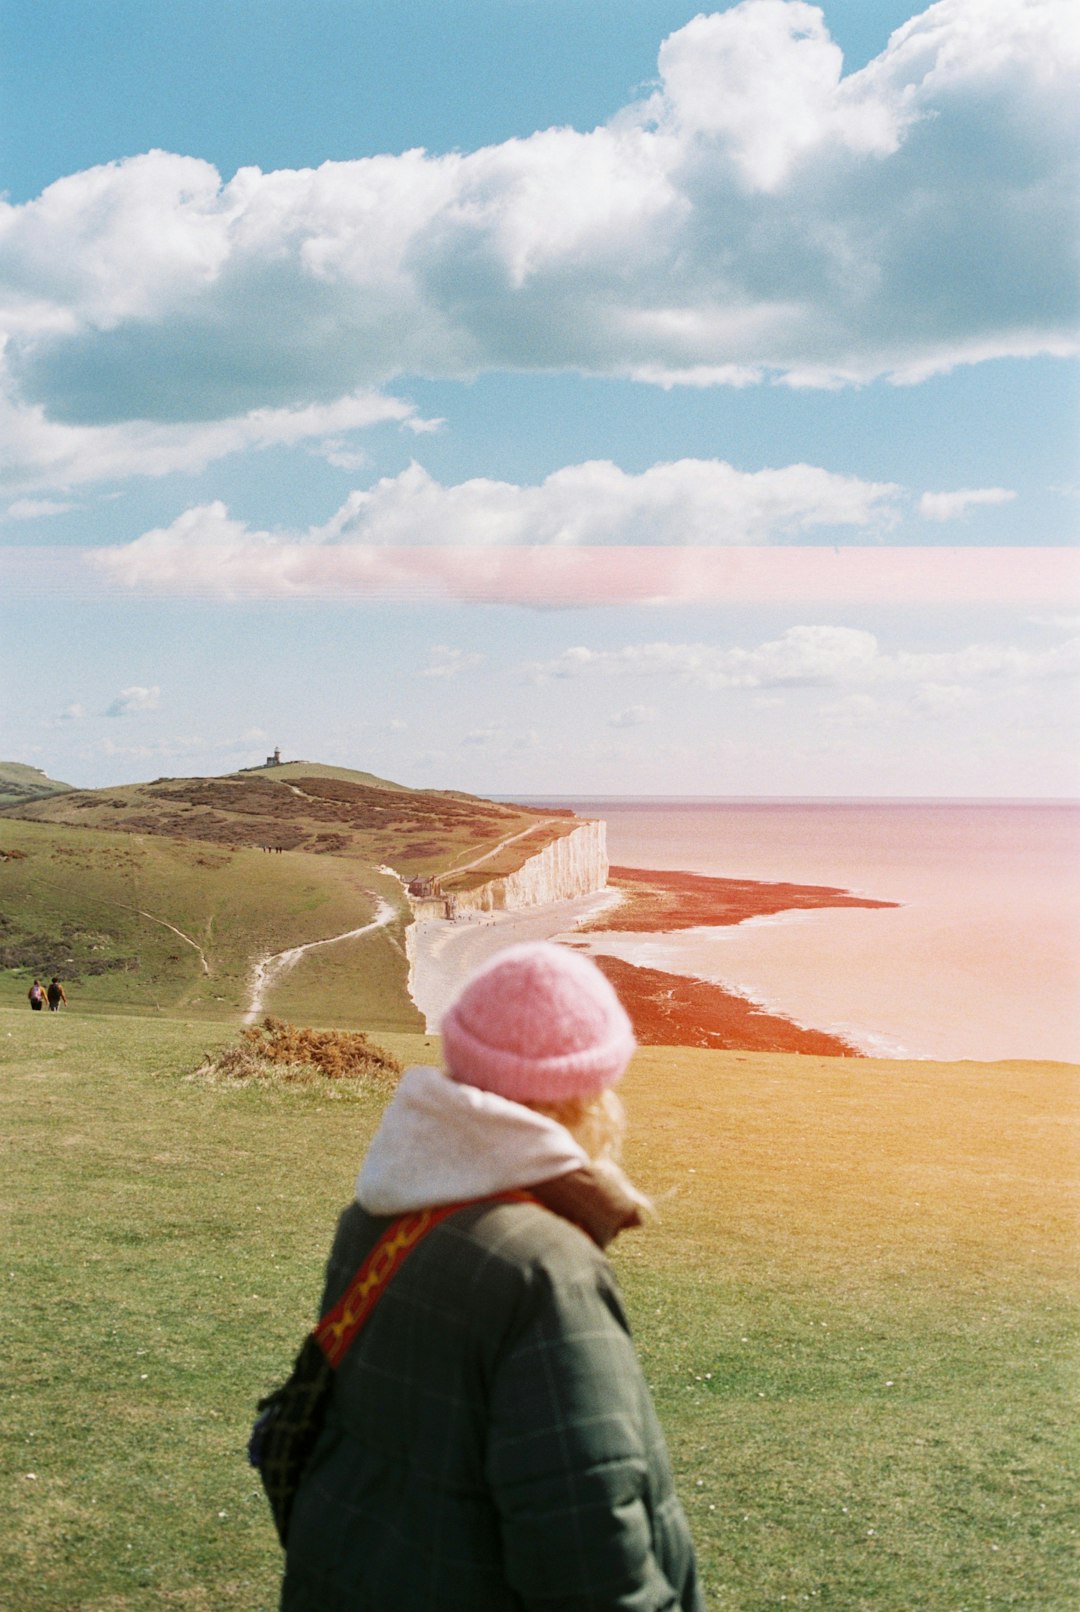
(556,861)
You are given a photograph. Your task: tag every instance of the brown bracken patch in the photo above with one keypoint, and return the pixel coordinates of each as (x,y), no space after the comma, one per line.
(278,1053)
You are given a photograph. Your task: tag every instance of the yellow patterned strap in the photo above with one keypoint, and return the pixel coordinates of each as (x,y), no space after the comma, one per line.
(339,1326)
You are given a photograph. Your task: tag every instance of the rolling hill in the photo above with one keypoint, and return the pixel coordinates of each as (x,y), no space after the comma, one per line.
(19,784)
(162,897)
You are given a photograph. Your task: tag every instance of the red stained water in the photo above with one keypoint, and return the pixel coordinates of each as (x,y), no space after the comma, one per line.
(980,960)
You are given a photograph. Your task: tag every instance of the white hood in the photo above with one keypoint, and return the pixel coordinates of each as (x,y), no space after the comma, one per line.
(443,1142)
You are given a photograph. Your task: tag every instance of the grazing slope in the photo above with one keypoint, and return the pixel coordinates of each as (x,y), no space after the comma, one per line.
(19,784)
(163,896)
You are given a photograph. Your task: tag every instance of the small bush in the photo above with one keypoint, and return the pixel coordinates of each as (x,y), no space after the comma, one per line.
(278,1054)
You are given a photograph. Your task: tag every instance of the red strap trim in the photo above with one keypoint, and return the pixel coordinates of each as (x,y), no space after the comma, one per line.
(339,1326)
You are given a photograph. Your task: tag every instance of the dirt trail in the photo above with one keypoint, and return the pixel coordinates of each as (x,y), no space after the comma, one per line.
(269,969)
(467,867)
(165,924)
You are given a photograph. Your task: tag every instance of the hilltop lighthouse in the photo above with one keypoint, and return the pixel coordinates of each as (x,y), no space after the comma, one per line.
(275,759)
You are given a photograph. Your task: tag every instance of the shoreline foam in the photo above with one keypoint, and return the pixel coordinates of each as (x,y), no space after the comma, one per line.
(980,961)
(682,1011)
(683,1008)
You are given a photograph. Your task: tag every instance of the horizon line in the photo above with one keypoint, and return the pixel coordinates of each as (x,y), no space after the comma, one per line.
(524,796)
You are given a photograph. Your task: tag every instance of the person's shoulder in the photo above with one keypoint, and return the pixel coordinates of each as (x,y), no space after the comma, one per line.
(355,1234)
(512,1238)
(526,1238)
(522,1266)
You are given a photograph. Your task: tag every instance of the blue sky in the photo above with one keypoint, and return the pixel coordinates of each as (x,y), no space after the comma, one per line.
(542,395)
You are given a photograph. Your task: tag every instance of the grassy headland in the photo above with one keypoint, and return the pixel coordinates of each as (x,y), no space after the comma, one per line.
(857,1313)
(20,784)
(162,898)
(158,898)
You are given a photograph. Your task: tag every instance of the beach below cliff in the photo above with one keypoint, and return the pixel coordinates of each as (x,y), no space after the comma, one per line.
(444,952)
(666,1009)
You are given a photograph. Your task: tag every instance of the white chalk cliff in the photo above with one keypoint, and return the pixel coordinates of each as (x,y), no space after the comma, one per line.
(547,895)
(575,864)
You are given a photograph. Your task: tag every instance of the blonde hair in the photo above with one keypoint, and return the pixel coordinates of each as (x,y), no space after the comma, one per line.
(598,1123)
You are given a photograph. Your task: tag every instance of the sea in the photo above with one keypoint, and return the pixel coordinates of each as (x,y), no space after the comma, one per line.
(980,959)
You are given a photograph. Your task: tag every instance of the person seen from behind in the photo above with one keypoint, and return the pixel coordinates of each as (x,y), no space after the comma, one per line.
(491,1444)
(55,993)
(36,996)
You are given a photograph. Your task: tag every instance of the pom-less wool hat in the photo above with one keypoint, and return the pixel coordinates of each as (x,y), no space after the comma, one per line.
(537,1023)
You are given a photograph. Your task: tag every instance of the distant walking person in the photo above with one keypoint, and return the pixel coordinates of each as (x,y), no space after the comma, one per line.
(55,993)
(36,995)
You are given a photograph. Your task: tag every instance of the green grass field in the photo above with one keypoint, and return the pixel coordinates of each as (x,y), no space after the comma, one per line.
(119,900)
(857,1312)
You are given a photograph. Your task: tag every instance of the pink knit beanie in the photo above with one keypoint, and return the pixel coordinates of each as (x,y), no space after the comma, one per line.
(537,1023)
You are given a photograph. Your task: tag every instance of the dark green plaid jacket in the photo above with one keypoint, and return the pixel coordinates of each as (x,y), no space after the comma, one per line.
(491,1445)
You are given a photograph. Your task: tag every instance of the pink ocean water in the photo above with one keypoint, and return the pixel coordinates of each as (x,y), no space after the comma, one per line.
(980,960)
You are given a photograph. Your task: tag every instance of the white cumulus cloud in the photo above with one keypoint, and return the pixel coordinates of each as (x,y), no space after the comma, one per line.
(943,699)
(855,711)
(762,214)
(135,699)
(31,509)
(634,716)
(690,502)
(950,506)
(37,451)
(816,656)
(685,502)
(445,662)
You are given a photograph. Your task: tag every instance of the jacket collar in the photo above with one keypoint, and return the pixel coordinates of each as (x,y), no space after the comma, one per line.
(598,1198)
(441,1141)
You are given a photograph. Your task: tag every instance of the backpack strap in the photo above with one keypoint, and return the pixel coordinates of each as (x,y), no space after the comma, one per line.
(339,1326)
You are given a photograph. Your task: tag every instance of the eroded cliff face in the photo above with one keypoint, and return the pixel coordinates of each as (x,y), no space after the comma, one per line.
(576,864)
(535,901)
